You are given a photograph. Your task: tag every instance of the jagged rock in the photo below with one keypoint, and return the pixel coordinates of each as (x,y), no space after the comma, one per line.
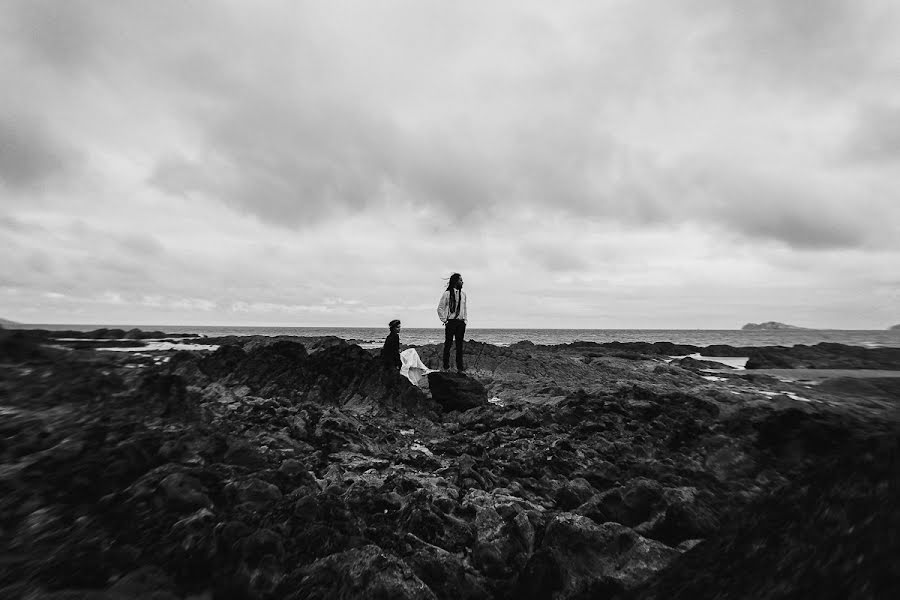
(580,559)
(683,516)
(367,572)
(630,504)
(826,534)
(252,492)
(445,573)
(574,493)
(505,532)
(235,471)
(456,391)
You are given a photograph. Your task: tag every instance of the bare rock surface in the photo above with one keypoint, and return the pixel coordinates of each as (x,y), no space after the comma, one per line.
(271,468)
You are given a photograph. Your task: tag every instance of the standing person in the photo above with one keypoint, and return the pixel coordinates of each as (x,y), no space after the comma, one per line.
(452,312)
(390,352)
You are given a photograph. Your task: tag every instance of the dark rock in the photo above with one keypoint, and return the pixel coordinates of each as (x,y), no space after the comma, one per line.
(243,453)
(253,492)
(824,356)
(684,516)
(830,533)
(367,572)
(18,346)
(857,387)
(184,492)
(630,504)
(600,474)
(237,471)
(696,365)
(456,391)
(192,545)
(149,582)
(581,559)
(574,493)
(165,393)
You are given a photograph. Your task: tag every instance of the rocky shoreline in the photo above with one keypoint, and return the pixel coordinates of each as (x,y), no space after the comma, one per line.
(296,468)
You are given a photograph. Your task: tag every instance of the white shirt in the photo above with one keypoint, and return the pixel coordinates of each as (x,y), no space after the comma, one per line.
(443,309)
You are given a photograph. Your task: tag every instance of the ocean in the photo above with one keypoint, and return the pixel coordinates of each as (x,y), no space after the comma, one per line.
(502,337)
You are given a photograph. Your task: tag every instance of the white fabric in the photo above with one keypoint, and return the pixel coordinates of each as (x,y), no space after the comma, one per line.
(443,309)
(412,366)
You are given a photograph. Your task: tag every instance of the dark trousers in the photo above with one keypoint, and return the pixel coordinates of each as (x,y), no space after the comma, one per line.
(455,328)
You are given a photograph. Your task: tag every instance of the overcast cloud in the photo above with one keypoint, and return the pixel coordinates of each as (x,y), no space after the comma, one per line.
(610,164)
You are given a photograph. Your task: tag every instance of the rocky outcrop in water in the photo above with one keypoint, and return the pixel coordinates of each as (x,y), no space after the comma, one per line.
(824,356)
(768,326)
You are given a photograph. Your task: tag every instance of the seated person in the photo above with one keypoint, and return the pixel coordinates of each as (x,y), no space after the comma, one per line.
(407,362)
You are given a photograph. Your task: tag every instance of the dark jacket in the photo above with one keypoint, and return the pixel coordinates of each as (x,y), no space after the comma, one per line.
(390,352)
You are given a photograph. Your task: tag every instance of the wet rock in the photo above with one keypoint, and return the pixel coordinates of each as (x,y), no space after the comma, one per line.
(456,391)
(695,364)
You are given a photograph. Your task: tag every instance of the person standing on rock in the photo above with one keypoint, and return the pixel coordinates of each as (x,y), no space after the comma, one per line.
(452,312)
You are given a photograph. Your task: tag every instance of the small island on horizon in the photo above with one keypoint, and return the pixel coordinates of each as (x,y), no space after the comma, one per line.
(768,325)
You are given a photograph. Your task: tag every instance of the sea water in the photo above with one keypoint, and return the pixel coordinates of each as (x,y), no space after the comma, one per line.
(369,336)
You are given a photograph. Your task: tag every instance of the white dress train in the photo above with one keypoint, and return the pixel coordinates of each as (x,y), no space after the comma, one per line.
(413,368)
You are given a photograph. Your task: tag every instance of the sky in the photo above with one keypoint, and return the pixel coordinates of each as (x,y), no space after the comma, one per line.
(597,164)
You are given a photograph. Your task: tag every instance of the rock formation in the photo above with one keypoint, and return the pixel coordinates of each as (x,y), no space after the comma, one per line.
(768,325)
(273,469)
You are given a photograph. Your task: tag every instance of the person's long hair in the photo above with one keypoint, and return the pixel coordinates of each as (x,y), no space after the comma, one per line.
(451,286)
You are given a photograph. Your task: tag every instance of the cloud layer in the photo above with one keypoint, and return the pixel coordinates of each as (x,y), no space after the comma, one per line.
(602,164)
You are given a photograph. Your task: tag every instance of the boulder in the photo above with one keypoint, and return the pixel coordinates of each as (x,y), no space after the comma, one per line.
(456,391)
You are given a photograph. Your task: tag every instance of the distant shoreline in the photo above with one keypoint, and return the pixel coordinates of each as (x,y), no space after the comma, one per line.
(374,336)
(164,327)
